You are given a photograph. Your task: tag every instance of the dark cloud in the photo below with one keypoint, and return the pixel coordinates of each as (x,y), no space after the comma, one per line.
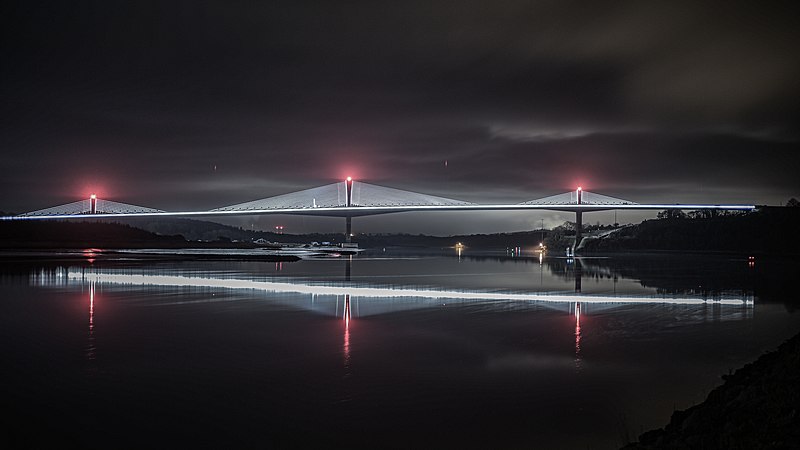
(653,101)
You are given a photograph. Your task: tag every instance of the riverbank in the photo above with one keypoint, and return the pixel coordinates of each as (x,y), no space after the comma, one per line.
(185,233)
(769,231)
(756,407)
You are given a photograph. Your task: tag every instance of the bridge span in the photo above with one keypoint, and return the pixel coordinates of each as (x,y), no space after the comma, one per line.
(350,198)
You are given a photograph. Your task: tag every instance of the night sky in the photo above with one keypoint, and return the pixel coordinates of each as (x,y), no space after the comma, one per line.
(195,105)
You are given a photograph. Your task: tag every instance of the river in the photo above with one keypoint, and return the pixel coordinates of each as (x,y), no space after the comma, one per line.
(387,349)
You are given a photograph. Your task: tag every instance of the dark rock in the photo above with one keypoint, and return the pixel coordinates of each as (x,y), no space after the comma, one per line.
(755,408)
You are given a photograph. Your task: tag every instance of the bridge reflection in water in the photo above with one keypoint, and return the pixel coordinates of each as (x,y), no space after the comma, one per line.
(91,346)
(349,300)
(346,345)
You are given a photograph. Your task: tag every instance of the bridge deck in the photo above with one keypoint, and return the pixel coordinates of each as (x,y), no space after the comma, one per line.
(357,211)
(352,198)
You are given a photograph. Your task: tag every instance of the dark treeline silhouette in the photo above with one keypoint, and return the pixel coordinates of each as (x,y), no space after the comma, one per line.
(211,231)
(177,233)
(768,230)
(68,234)
(204,230)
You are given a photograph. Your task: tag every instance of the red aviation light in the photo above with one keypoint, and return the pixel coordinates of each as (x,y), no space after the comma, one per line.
(349,178)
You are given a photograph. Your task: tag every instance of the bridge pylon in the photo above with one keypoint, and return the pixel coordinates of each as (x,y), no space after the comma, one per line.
(578,219)
(348,220)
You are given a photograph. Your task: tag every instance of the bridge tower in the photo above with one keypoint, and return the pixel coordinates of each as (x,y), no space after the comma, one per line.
(93,204)
(348,188)
(578,219)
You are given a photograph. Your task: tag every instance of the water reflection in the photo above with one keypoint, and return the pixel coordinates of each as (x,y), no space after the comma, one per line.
(90,254)
(346,345)
(90,347)
(669,275)
(349,301)
(324,297)
(577,336)
(382,298)
(523,339)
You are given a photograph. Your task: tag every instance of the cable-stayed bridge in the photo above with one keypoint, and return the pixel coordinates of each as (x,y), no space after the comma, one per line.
(350,198)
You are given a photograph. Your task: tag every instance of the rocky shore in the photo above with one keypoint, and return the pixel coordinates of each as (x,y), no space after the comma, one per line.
(757,407)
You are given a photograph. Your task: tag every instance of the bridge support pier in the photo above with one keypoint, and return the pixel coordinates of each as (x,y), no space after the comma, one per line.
(348,236)
(578,219)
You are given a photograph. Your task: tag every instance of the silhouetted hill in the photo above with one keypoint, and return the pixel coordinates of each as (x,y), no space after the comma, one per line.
(196,230)
(193,229)
(173,233)
(767,231)
(81,234)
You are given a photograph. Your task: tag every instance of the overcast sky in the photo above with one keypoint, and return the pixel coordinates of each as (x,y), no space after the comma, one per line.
(195,105)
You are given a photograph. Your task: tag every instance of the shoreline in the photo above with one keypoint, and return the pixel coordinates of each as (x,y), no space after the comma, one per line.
(68,254)
(755,407)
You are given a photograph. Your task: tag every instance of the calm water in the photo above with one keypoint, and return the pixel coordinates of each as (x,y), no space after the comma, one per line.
(387,350)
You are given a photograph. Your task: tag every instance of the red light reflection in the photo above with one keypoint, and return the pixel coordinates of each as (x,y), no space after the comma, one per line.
(346,345)
(90,347)
(577,336)
(90,254)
